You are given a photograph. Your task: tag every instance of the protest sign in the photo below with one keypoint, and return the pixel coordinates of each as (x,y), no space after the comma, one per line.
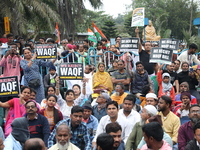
(71,71)
(138,17)
(9,86)
(170,44)
(129,45)
(161,55)
(46,51)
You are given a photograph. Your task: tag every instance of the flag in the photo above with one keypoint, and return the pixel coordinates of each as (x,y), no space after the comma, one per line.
(98,32)
(91,36)
(57,33)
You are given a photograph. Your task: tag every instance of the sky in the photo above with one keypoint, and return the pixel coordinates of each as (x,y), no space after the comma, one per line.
(112,7)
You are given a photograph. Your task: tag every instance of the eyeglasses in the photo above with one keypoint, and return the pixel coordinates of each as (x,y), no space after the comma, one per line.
(63,43)
(195,112)
(28,107)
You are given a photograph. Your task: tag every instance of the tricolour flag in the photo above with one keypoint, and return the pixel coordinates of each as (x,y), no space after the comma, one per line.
(91,36)
(57,33)
(98,32)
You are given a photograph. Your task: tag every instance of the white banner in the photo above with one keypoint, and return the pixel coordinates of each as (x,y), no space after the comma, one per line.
(138,17)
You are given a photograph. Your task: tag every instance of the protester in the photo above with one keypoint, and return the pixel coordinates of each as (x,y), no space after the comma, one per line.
(119,94)
(38,124)
(34,144)
(136,134)
(63,135)
(104,142)
(52,114)
(185,132)
(80,136)
(18,136)
(32,77)
(101,81)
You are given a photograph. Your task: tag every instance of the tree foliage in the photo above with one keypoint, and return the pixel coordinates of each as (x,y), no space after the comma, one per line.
(109,29)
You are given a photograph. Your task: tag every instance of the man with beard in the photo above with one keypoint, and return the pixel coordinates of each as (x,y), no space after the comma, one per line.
(153,135)
(63,135)
(127,112)
(189,56)
(115,130)
(80,136)
(171,122)
(136,134)
(38,124)
(185,132)
(119,95)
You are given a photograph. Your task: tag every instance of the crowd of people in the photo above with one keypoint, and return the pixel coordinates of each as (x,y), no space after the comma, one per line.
(119,105)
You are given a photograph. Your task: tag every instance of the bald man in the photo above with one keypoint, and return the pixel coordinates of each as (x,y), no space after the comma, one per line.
(34,144)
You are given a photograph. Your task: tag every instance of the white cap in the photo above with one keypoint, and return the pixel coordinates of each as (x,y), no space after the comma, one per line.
(151,109)
(151,95)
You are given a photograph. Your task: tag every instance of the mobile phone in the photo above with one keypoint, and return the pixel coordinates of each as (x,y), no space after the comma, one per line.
(191,69)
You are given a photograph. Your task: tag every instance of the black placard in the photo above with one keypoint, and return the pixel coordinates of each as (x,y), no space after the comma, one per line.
(46,51)
(129,44)
(9,86)
(161,55)
(71,71)
(169,44)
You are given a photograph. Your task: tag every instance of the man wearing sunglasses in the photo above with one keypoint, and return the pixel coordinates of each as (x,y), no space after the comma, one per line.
(38,124)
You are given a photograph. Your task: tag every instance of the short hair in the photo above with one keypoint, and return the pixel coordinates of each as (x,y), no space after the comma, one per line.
(167,99)
(130,97)
(195,105)
(112,103)
(90,67)
(69,91)
(120,60)
(105,141)
(70,39)
(42,38)
(50,40)
(52,96)
(196,126)
(153,129)
(120,84)
(193,46)
(104,39)
(65,126)
(77,109)
(113,127)
(9,35)
(139,63)
(27,45)
(13,43)
(178,61)
(29,102)
(184,63)
(33,144)
(99,43)
(146,89)
(86,40)
(85,46)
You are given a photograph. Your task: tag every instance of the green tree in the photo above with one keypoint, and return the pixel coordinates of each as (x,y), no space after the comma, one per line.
(24,13)
(109,29)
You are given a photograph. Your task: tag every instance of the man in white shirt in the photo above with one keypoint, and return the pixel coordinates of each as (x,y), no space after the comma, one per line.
(112,111)
(188,56)
(127,112)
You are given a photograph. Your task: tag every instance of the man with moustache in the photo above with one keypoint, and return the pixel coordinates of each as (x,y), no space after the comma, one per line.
(115,130)
(80,136)
(38,124)
(63,135)
(137,134)
(185,132)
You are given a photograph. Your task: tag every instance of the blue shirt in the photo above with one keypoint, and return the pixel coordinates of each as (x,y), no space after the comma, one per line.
(79,134)
(92,125)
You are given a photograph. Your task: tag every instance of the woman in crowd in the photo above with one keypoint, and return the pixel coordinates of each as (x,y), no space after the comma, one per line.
(52,114)
(17,108)
(101,81)
(113,67)
(32,77)
(79,97)
(51,90)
